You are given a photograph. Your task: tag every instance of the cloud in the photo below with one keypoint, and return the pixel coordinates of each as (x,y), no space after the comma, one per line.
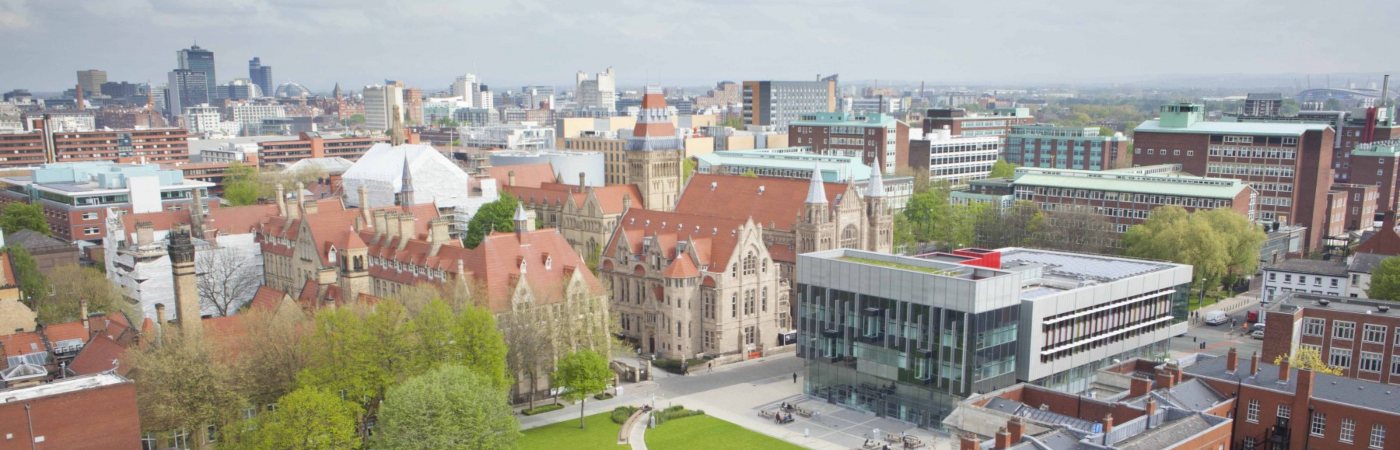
(14,14)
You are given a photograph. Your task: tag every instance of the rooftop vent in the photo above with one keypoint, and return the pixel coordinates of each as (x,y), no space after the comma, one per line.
(714,185)
(1323,302)
(1382,309)
(760,190)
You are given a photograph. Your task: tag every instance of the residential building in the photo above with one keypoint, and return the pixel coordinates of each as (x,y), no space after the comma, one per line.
(91,81)
(1304,276)
(961,123)
(1263,104)
(315,145)
(778,103)
(382,103)
(1376,164)
(48,143)
(483,98)
(61,414)
(1055,147)
(725,93)
(911,337)
(1361,205)
(878,139)
(598,92)
(1289,164)
(22,150)
(198,61)
(465,86)
(957,160)
(77,197)
(260,75)
(203,119)
(1127,197)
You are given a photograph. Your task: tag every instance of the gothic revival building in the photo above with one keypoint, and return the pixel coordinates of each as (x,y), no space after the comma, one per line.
(654,153)
(585,216)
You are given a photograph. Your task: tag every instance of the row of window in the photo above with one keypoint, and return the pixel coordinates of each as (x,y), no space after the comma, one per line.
(1346,330)
(1257,170)
(1303,279)
(1251,152)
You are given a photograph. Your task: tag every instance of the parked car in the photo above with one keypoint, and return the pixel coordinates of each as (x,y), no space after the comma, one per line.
(1257,334)
(1216,317)
(1256,327)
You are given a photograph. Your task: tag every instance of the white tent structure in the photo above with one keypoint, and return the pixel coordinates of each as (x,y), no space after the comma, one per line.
(433,177)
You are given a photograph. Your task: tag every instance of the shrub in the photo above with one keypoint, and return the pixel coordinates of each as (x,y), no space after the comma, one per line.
(621,413)
(674,365)
(676,412)
(542,409)
(602,396)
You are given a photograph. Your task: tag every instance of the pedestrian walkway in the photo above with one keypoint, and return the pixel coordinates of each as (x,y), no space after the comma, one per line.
(637,438)
(634,394)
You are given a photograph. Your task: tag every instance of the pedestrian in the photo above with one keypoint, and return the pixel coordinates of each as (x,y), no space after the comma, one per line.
(794,377)
(710,368)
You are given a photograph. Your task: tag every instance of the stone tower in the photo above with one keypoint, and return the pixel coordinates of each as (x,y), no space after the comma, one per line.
(354,268)
(654,153)
(182,270)
(880,233)
(815,229)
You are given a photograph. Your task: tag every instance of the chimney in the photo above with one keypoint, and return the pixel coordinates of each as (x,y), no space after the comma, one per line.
(1003,440)
(405,229)
(1175,370)
(1254,364)
(1139,387)
(380,224)
(510,178)
(145,233)
(364,204)
(1017,427)
(968,441)
(626,202)
(281,200)
(160,320)
(83,311)
(301,196)
(310,207)
(581,180)
(1107,423)
(197,213)
(1164,379)
(78,97)
(182,261)
(1150,408)
(391,225)
(1305,385)
(437,234)
(1232,361)
(1283,370)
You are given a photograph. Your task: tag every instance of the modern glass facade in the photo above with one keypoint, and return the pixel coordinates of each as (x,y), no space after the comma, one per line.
(907,360)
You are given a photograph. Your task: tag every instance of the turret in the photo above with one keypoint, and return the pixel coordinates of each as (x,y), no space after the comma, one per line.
(182,269)
(406,191)
(816,205)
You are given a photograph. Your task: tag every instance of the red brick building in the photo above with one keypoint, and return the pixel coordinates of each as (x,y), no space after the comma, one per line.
(878,139)
(22,150)
(1377,163)
(88,412)
(160,145)
(315,145)
(1289,164)
(1361,204)
(1358,335)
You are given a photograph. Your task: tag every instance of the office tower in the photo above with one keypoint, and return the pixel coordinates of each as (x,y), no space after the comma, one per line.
(541,97)
(465,86)
(199,60)
(261,75)
(483,98)
(187,88)
(1265,104)
(778,103)
(380,103)
(91,80)
(599,92)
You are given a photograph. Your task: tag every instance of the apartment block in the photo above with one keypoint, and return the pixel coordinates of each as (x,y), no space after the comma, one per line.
(315,145)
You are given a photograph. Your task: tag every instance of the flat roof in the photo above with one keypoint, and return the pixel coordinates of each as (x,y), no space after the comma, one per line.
(59,387)
(1372,395)
(1250,128)
(1075,266)
(1292,301)
(1181,185)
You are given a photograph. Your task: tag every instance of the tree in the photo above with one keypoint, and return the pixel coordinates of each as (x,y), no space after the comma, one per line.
(1309,359)
(734,122)
(930,214)
(23,216)
(1385,280)
(180,385)
(688,166)
(1003,169)
(1017,226)
(271,352)
(79,283)
(241,186)
(305,419)
(749,174)
(582,373)
(1077,229)
(1170,233)
(480,345)
(451,407)
(228,278)
(1242,240)
(32,283)
(342,357)
(494,216)
(526,335)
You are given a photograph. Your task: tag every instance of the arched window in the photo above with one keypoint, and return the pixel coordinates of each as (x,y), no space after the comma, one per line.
(750,263)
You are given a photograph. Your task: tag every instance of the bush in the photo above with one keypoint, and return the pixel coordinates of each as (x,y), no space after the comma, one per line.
(621,413)
(542,409)
(674,365)
(676,412)
(602,396)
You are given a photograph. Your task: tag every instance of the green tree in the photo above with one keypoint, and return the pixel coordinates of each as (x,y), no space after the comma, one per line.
(930,215)
(749,174)
(79,283)
(305,419)
(494,216)
(241,186)
(734,122)
(1003,169)
(180,385)
(1242,240)
(582,373)
(1304,358)
(451,407)
(688,166)
(33,285)
(1017,226)
(1385,280)
(1172,234)
(342,358)
(23,216)
(481,345)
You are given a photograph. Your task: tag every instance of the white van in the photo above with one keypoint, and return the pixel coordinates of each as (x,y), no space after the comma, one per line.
(1216,317)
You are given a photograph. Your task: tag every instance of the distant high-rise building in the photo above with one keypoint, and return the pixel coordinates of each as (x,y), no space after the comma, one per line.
(199,60)
(124,91)
(1263,104)
(599,92)
(413,106)
(261,75)
(465,86)
(538,97)
(380,103)
(91,80)
(483,98)
(777,103)
(187,88)
(240,89)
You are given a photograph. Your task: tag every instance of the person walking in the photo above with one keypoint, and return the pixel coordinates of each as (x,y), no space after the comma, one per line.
(794,377)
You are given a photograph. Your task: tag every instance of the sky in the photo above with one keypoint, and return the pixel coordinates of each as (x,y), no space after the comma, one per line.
(509,43)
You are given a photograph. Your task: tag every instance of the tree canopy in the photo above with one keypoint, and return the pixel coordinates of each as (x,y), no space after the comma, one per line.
(1002,169)
(1304,358)
(62,304)
(305,419)
(33,285)
(1216,243)
(241,185)
(450,407)
(23,216)
(1385,280)
(582,373)
(494,216)
(180,385)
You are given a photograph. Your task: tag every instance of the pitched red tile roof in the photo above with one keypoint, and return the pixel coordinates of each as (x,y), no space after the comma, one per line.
(526,175)
(737,197)
(681,267)
(711,238)
(332,228)
(609,198)
(267,298)
(225,220)
(98,356)
(1385,241)
(22,343)
(7,271)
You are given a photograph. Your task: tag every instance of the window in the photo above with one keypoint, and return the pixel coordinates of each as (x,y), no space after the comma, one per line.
(1313,326)
(91,230)
(148,440)
(1273,276)
(1370,362)
(1377,436)
(1340,357)
(181,439)
(1284,411)
(1342,329)
(211,433)
(1252,414)
(1319,424)
(1348,430)
(89,215)
(1373,333)
(1395,365)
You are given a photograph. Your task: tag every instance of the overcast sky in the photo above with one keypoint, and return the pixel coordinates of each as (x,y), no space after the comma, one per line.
(508,43)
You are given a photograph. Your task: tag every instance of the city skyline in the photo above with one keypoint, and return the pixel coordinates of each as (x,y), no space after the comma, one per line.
(319,43)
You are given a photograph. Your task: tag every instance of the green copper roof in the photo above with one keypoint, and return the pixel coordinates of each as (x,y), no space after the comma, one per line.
(1183,185)
(1250,128)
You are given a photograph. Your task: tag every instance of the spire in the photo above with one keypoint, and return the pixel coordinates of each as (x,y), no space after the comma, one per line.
(406,190)
(877,184)
(816,191)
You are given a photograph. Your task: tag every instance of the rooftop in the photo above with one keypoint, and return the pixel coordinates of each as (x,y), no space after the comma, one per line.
(1250,128)
(1379,148)
(1347,391)
(1311,266)
(845,118)
(59,387)
(1126,182)
(834,168)
(1292,301)
(1080,268)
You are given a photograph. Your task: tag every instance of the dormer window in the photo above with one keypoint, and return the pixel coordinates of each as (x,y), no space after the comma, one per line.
(548,262)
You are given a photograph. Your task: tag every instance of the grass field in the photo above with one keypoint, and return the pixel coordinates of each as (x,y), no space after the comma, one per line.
(705,432)
(600,434)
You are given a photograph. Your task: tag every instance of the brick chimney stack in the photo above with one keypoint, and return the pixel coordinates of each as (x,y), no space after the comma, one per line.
(1139,387)
(1283,370)
(968,441)
(1003,439)
(1107,423)
(1254,364)
(1017,427)
(1232,360)
(1150,408)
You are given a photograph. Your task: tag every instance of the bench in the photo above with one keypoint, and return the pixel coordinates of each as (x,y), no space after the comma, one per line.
(912,442)
(766,414)
(803,412)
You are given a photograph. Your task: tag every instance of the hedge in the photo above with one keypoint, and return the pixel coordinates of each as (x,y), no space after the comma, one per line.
(542,409)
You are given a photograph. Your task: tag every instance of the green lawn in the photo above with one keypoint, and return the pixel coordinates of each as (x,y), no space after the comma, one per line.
(705,432)
(600,434)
